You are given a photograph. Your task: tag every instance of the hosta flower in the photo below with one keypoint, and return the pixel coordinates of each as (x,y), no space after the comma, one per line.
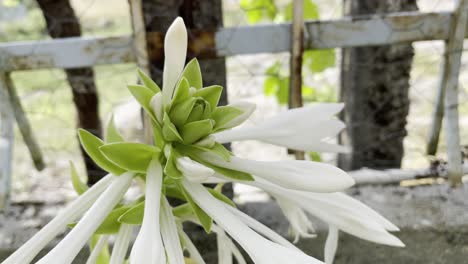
(186,151)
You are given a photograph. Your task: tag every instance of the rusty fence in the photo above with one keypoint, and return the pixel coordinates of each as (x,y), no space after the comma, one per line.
(372,30)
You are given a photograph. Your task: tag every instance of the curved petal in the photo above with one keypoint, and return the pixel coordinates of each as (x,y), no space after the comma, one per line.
(69,247)
(292,174)
(193,251)
(169,234)
(305,128)
(70,213)
(175,52)
(261,251)
(193,170)
(300,225)
(331,244)
(148,246)
(247,109)
(97,249)
(119,251)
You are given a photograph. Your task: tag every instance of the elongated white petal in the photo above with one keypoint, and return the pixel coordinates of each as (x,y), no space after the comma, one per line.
(331,244)
(169,234)
(224,249)
(121,244)
(157,106)
(247,109)
(193,251)
(148,246)
(192,170)
(70,213)
(232,247)
(292,174)
(97,249)
(261,251)
(69,247)
(307,128)
(300,225)
(175,52)
(347,219)
(261,228)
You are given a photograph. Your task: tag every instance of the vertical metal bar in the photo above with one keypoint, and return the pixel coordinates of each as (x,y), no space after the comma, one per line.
(453,53)
(141,53)
(297,49)
(6,142)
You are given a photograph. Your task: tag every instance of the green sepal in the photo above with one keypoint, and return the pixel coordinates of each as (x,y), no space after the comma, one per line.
(158,135)
(193,74)
(224,114)
(233,174)
(201,110)
(143,95)
(79,186)
(183,211)
(182,91)
(171,169)
(211,94)
(110,225)
(91,145)
(170,189)
(112,134)
(169,130)
(134,215)
(196,151)
(221,197)
(130,156)
(180,112)
(148,82)
(205,220)
(192,132)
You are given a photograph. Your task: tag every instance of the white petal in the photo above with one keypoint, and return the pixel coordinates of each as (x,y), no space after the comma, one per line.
(169,234)
(175,52)
(156,105)
(307,128)
(292,174)
(119,251)
(300,224)
(261,251)
(331,244)
(193,170)
(193,251)
(70,246)
(224,249)
(247,109)
(148,246)
(97,249)
(69,214)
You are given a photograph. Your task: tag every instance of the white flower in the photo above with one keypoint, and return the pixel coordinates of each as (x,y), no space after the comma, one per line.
(261,250)
(119,251)
(148,246)
(68,248)
(226,248)
(331,244)
(175,52)
(190,247)
(307,128)
(292,174)
(193,170)
(97,249)
(75,209)
(300,224)
(169,234)
(157,106)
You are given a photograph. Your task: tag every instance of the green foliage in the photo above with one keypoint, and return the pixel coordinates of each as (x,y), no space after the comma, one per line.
(258,10)
(78,185)
(130,156)
(192,73)
(112,134)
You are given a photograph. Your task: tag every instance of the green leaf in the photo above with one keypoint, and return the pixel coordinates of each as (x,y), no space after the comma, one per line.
(148,82)
(315,156)
(157,134)
(191,132)
(112,134)
(111,224)
(180,112)
(169,130)
(282,94)
(172,189)
(79,186)
(91,145)
(143,95)
(221,197)
(257,10)
(182,211)
(224,114)
(130,156)
(310,10)
(233,174)
(182,91)
(134,215)
(211,94)
(319,60)
(193,74)
(270,86)
(195,151)
(171,169)
(201,110)
(203,217)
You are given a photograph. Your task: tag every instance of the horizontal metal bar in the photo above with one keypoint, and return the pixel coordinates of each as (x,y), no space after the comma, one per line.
(346,32)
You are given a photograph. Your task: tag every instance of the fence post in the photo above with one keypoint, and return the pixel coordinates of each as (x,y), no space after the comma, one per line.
(451,70)
(6,142)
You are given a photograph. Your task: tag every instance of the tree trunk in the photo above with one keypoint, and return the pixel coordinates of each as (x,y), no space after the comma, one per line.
(62,23)
(199,16)
(374,87)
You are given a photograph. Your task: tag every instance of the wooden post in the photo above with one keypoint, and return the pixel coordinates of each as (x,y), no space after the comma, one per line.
(23,124)
(6,142)
(451,71)
(297,50)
